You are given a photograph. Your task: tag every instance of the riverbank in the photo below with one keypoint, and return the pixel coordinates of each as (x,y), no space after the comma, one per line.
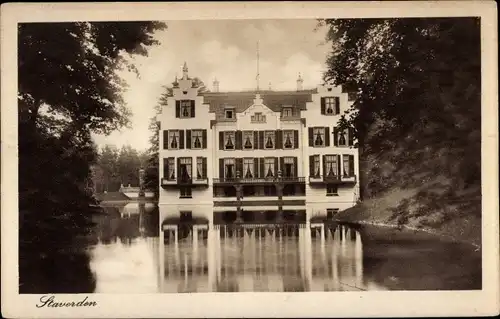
(458,221)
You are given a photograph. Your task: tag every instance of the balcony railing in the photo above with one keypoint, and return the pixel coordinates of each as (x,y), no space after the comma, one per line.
(257,180)
(184,181)
(334,179)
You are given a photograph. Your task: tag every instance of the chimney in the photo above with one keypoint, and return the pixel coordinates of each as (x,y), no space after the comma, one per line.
(299,83)
(215,85)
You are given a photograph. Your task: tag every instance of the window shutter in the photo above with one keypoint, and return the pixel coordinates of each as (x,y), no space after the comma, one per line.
(261,140)
(351,136)
(221,168)
(165,168)
(204,167)
(335,136)
(239,140)
(338,165)
(256,167)
(327,136)
(323,105)
(282,165)
(178,168)
(262,174)
(177,108)
(337,105)
(165,140)
(296,139)
(311,137)
(221,140)
(279,139)
(311,165)
(181,139)
(188,139)
(192,108)
(255,140)
(275,166)
(239,166)
(351,165)
(324,164)
(295,167)
(204,138)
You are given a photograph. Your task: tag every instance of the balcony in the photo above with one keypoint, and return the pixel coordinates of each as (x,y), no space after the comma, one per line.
(335,179)
(257,180)
(184,182)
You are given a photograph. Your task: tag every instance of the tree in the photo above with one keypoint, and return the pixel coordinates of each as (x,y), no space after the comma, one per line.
(68,88)
(417,89)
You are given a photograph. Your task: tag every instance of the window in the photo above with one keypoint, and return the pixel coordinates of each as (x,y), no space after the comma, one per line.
(331,165)
(171,168)
(319,136)
(248,168)
(269,167)
(248,140)
(196,139)
(288,141)
(330,105)
(229,168)
(186,216)
(173,139)
(287,112)
(269,139)
(185,167)
(229,139)
(342,138)
(330,212)
(186,192)
(316,166)
(348,165)
(258,118)
(200,172)
(332,190)
(229,114)
(185,108)
(288,169)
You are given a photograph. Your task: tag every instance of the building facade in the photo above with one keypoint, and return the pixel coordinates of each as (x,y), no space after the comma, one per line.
(255,156)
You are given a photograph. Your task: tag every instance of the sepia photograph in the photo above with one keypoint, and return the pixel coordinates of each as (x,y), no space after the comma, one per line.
(187,157)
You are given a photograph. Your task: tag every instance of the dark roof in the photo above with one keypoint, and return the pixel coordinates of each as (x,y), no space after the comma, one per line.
(111,196)
(274,100)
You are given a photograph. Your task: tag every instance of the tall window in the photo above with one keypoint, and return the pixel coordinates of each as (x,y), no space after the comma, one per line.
(319,136)
(331,165)
(173,139)
(288,139)
(269,167)
(199,168)
(196,139)
(248,140)
(269,139)
(185,108)
(186,169)
(342,138)
(330,105)
(348,165)
(289,169)
(248,168)
(316,165)
(229,140)
(171,168)
(229,168)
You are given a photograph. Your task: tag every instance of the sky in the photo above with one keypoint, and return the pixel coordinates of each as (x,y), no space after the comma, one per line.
(222,49)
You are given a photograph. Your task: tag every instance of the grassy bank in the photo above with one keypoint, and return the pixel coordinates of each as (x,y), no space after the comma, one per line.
(456,217)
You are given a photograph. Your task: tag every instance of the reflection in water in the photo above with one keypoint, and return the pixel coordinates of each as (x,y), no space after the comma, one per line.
(132,256)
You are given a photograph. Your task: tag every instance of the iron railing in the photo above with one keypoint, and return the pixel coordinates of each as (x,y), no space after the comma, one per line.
(254,180)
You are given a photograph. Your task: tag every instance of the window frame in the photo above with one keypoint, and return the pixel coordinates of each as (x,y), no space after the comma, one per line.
(233,135)
(288,160)
(331,101)
(250,162)
(271,162)
(185,192)
(230,161)
(171,169)
(344,133)
(334,160)
(199,161)
(246,134)
(323,136)
(317,159)
(273,134)
(193,139)
(258,117)
(333,211)
(190,164)
(183,105)
(232,110)
(335,190)
(291,132)
(284,111)
(170,135)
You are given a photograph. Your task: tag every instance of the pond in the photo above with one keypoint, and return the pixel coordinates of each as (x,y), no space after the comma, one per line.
(128,256)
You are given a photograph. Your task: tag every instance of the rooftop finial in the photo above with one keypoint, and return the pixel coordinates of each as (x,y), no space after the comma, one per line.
(185,71)
(216,85)
(299,82)
(258,74)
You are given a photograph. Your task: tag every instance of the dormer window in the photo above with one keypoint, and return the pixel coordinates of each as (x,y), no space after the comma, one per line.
(229,114)
(330,106)
(229,139)
(287,112)
(258,118)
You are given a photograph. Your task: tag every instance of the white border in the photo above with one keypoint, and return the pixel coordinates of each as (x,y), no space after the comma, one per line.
(310,304)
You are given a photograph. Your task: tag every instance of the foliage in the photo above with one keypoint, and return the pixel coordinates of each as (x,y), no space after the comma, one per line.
(417,109)
(68,89)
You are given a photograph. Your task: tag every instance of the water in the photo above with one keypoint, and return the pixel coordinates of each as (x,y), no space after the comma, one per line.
(127,257)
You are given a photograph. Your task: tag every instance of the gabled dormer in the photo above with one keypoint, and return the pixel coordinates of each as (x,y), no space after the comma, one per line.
(184,92)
